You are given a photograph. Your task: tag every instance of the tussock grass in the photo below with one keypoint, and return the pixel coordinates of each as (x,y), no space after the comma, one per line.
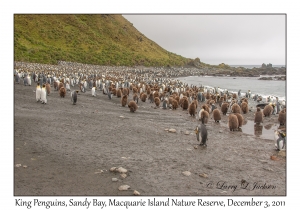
(93,39)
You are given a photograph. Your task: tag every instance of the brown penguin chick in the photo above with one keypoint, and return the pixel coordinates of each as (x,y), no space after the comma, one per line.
(207,96)
(148,91)
(213,97)
(48,88)
(244,106)
(216,115)
(212,102)
(171,99)
(233,122)
(114,91)
(180,102)
(132,106)
(234,95)
(192,109)
(156,94)
(235,108)
(282,117)
(60,85)
(221,101)
(119,93)
(143,97)
(124,100)
(240,119)
(245,100)
(174,95)
(134,90)
(196,103)
(174,104)
(185,104)
(177,99)
(203,116)
(62,92)
(205,107)
(151,97)
(157,101)
(208,101)
(125,91)
(268,110)
(136,98)
(258,116)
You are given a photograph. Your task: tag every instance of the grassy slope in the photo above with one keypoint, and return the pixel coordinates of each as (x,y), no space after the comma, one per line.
(93,39)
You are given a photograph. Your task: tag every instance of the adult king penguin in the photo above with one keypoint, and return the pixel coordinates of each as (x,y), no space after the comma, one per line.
(74,96)
(38,92)
(44,94)
(201,129)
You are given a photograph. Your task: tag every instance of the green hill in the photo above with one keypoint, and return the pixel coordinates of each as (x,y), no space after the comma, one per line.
(92,39)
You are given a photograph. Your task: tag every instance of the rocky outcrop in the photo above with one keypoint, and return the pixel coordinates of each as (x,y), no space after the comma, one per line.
(273,78)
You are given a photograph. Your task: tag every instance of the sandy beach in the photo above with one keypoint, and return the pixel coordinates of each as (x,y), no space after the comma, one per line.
(66,149)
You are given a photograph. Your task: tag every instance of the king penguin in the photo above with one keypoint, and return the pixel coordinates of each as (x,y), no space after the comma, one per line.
(29,80)
(108,94)
(93,91)
(201,129)
(44,94)
(74,96)
(165,103)
(68,86)
(38,92)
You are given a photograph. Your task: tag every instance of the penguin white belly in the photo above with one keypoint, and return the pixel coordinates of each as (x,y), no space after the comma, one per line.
(279,143)
(68,86)
(93,92)
(43,95)
(29,80)
(38,94)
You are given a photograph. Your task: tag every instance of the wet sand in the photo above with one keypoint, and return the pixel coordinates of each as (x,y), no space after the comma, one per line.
(69,149)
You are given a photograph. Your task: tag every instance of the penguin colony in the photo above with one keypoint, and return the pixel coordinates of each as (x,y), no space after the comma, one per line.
(165,92)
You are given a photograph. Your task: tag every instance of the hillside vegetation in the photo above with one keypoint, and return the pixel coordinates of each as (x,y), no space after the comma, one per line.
(92,39)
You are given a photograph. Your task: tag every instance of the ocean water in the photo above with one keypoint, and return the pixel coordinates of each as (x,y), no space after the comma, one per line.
(264,88)
(255,66)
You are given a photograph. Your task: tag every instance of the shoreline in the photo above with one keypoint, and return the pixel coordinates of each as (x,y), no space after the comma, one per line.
(73,147)
(210,79)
